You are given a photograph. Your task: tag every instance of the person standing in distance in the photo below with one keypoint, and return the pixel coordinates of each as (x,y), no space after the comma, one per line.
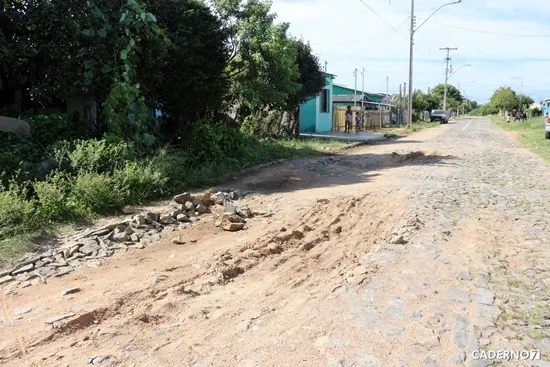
(349,116)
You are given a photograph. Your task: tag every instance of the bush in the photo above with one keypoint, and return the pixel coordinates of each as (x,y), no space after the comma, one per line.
(211,143)
(16,214)
(53,198)
(96,193)
(48,129)
(91,155)
(141,181)
(16,153)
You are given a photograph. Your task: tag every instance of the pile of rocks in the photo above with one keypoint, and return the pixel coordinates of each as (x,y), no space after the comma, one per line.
(88,248)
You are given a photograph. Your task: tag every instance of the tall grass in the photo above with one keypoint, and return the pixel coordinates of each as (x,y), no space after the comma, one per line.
(92,178)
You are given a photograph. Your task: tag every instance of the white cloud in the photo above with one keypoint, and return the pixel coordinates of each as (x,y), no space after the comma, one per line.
(348,35)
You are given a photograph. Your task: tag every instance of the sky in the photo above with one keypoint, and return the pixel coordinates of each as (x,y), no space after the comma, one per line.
(505,42)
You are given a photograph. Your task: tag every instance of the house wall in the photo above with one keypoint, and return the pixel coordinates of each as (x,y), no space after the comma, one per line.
(312,120)
(86,108)
(309,114)
(325,119)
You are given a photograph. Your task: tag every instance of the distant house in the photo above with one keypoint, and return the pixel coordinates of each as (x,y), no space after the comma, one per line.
(345,96)
(316,113)
(344,100)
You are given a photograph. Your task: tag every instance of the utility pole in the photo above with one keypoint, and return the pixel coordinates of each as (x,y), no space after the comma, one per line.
(355,90)
(400,103)
(326,66)
(447,59)
(411,46)
(406,98)
(363,90)
(388,92)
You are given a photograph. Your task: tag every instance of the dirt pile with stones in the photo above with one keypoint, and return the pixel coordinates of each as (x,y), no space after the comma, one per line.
(88,248)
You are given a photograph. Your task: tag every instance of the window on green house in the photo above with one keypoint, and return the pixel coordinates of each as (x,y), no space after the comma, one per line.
(324,105)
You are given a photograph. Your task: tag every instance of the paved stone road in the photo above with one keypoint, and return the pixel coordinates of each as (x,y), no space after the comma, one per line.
(475,274)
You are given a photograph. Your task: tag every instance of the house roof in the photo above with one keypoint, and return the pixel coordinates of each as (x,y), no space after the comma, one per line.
(359,90)
(329,74)
(347,98)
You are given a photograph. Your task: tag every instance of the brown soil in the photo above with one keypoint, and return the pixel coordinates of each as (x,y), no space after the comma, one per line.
(272,295)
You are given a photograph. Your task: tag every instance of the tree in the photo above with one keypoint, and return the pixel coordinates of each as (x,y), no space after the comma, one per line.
(190,82)
(504,99)
(262,65)
(454,97)
(311,79)
(423,102)
(525,101)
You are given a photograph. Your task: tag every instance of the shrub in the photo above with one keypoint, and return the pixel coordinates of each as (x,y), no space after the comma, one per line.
(16,214)
(48,129)
(16,153)
(211,143)
(53,198)
(97,193)
(140,181)
(91,155)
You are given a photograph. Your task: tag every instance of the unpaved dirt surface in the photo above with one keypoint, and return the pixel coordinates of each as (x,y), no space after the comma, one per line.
(380,256)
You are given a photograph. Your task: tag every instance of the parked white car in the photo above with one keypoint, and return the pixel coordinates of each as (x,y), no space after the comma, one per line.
(547,126)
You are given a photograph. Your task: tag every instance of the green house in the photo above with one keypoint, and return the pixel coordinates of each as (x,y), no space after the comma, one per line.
(344,96)
(316,113)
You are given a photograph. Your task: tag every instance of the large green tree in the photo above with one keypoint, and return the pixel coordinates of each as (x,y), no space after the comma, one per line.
(525,101)
(190,82)
(454,97)
(262,66)
(504,99)
(424,102)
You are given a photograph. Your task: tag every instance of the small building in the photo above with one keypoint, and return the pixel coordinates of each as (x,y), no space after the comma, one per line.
(316,113)
(371,101)
(344,100)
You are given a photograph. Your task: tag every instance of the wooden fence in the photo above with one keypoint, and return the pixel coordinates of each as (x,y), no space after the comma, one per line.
(371,119)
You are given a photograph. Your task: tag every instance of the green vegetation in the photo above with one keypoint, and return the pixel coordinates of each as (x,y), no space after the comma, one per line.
(506,99)
(531,134)
(434,99)
(92,177)
(225,76)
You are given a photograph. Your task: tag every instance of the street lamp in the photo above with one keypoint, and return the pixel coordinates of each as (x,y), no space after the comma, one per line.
(411,48)
(446,82)
(454,72)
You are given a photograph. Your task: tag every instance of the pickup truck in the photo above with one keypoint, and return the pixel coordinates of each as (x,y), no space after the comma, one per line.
(438,115)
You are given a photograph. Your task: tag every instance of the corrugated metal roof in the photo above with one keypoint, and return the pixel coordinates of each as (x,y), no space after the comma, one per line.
(359,91)
(347,98)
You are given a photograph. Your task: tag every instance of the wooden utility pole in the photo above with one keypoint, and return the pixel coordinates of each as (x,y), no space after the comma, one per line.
(355,90)
(447,59)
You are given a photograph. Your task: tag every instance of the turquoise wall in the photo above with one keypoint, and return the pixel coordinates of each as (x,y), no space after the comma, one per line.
(325,119)
(309,115)
(311,118)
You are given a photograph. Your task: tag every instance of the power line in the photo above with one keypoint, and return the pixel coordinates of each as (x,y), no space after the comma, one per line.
(376,36)
(491,32)
(355,55)
(385,21)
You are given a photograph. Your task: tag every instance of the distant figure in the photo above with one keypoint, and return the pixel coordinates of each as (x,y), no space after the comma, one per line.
(349,115)
(524,116)
(508,117)
(358,122)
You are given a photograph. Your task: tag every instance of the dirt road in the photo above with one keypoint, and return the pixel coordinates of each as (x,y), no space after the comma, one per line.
(379,256)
